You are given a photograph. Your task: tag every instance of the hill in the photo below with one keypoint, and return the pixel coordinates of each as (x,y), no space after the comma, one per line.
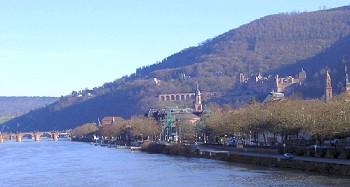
(11,107)
(276,44)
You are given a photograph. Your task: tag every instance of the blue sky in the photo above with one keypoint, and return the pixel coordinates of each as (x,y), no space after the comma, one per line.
(50,48)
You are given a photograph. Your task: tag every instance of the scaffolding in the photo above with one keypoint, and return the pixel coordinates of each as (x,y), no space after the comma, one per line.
(169,120)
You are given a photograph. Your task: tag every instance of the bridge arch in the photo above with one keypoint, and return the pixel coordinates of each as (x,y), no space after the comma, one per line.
(176,97)
(19,136)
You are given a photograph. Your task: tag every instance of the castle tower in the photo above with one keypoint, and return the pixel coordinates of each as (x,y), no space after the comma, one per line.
(328,90)
(346,86)
(278,85)
(302,76)
(198,100)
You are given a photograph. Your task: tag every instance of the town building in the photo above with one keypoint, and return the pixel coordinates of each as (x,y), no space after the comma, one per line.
(172,118)
(109,120)
(274,96)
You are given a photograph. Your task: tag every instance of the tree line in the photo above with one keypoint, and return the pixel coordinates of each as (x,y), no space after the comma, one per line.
(137,128)
(287,119)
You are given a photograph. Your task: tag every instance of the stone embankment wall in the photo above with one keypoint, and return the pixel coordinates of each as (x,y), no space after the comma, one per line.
(176,149)
(331,168)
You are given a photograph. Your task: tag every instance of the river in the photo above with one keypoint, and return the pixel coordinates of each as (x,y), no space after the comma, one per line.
(65,163)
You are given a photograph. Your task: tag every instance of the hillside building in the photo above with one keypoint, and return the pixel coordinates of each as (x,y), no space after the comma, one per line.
(259,83)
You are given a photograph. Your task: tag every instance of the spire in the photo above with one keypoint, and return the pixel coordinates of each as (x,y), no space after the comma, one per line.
(328,76)
(328,90)
(197,89)
(99,122)
(198,99)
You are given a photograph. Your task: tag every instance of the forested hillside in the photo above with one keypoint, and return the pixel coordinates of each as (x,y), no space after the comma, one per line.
(263,45)
(15,106)
(278,44)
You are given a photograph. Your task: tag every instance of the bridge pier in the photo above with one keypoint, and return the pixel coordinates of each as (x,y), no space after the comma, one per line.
(1,139)
(55,136)
(37,137)
(18,138)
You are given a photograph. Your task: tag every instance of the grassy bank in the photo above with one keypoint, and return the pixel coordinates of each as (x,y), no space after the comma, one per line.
(3,119)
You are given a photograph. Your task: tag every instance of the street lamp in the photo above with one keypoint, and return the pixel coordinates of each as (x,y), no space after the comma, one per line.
(315,149)
(284,148)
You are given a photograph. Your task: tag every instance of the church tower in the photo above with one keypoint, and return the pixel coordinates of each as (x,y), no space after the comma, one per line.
(198,100)
(328,90)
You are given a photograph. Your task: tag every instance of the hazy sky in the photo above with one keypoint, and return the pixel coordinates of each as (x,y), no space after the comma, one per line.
(50,48)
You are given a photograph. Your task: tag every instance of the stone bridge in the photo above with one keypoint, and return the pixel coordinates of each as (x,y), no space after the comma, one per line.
(35,135)
(185,96)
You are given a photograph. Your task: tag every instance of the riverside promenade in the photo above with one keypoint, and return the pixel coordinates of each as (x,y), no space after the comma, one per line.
(323,165)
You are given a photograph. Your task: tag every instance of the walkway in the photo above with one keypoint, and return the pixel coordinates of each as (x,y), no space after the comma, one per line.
(310,159)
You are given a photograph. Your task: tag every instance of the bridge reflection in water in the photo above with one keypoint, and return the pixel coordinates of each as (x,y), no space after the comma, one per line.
(35,135)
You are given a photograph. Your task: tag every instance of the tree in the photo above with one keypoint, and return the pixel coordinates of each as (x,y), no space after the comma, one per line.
(144,127)
(85,129)
(252,100)
(187,131)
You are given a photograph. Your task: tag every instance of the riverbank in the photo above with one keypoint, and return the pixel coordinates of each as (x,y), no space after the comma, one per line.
(321,165)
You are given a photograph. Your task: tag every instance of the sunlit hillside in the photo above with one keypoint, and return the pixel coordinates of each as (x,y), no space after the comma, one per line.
(276,44)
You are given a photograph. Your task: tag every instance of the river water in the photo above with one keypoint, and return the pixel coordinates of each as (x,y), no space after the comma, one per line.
(65,163)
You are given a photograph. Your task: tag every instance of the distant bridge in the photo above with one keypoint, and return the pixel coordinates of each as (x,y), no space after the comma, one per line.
(35,135)
(186,96)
